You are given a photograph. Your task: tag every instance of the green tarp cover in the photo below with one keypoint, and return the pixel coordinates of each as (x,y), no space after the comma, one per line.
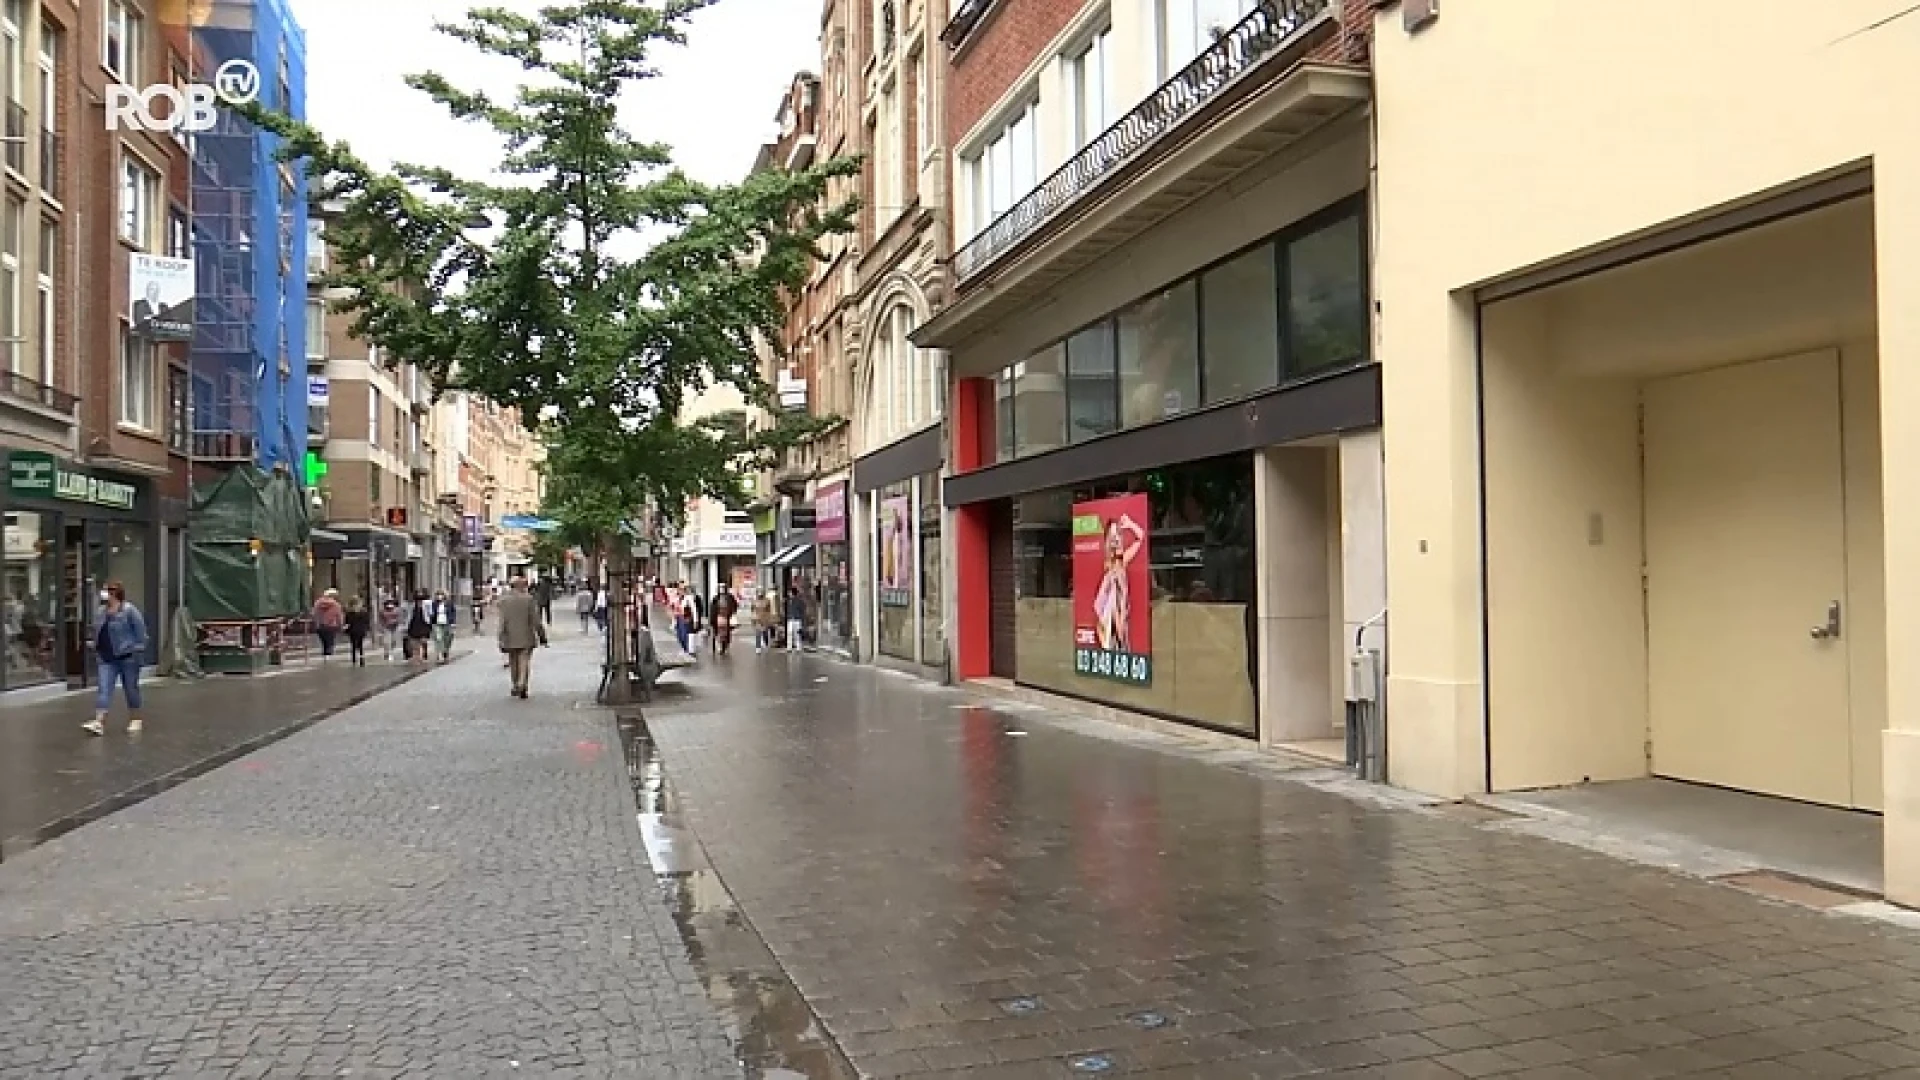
(227,579)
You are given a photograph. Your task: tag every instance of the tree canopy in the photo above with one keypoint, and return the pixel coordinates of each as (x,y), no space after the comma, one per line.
(600,350)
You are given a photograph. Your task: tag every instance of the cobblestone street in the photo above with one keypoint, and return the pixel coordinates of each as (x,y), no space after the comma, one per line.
(986,893)
(440,882)
(445,882)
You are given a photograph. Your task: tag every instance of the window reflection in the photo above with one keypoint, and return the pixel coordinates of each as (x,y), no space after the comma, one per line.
(1040,402)
(1093,386)
(1326,299)
(1159,356)
(1241,333)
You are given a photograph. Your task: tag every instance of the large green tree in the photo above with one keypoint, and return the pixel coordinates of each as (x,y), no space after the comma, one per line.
(611,288)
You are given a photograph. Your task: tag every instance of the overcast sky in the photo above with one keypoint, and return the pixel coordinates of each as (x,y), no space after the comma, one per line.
(714,102)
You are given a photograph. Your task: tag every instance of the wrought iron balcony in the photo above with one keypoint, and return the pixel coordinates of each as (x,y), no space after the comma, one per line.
(22,388)
(1241,49)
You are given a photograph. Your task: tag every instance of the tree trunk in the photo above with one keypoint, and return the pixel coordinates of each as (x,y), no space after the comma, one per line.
(619,680)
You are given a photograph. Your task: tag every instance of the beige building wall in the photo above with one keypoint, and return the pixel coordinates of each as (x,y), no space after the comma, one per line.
(1513,134)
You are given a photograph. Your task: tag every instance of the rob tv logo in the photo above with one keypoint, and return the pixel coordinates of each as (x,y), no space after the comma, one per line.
(188,108)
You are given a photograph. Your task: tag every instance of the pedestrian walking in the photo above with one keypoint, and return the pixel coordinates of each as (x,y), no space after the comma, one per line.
(685,621)
(419,628)
(600,608)
(544,594)
(392,620)
(521,631)
(763,619)
(583,602)
(359,621)
(796,616)
(444,618)
(723,613)
(119,648)
(328,620)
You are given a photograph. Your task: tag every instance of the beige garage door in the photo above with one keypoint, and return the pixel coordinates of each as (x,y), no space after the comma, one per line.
(1746,554)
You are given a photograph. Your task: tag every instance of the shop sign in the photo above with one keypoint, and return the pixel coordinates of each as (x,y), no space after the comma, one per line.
(766,522)
(830,514)
(1113,590)
(37,475)
(736,538)
(896,552)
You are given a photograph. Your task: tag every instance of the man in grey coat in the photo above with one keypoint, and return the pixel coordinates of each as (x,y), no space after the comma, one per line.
(520,633)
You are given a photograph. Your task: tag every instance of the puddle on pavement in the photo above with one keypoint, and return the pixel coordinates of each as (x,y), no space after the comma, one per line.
(775,1034)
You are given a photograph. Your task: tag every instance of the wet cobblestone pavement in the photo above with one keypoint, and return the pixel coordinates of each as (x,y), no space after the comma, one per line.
(959,890)
(440,882)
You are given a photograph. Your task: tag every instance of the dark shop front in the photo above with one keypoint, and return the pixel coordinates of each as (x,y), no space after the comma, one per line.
(69,531)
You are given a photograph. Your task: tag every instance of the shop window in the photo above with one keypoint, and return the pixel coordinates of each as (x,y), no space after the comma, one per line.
(127,564)
(1093,383)
(1327,299)
(1201,571)
(1159,356)
(933,637)
(1039,402)
(1240,326)
(1003,444)
(895,569)
(32,598)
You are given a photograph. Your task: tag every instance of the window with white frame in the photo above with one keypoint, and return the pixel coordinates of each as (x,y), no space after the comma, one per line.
(887,194)
(137,387)
(12,227)
(120,45)
(317,330)
(1090,90)
(1003,169)
(139,201)
(1187,28)
(179,234)
(373,415)
(316,247)
(45,325)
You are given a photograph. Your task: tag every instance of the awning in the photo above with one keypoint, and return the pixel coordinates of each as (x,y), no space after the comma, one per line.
(328,534)
(797,555)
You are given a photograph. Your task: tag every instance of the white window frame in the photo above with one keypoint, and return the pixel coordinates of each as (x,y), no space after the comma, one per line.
(316,329)
(1003,165)
(49,78)
(14,222)
(120,19)
(46,331)
(1181,28)
(138,360)
(139,200)
(316,246)
(373,416)
(1090,114)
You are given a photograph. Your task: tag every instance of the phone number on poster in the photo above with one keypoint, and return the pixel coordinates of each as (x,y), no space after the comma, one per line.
(1120,666)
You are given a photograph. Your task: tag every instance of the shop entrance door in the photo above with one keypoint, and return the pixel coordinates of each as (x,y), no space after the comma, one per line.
(83,555)
(1746,575)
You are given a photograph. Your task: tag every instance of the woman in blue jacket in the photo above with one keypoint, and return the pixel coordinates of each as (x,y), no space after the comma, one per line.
(120,646)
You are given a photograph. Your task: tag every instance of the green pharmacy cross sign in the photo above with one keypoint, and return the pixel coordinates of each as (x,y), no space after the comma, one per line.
(316,469)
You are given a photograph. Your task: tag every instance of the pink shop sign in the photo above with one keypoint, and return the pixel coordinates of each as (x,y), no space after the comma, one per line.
(830,515)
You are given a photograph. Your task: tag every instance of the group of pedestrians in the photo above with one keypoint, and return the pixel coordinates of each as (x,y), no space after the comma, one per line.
(419,629)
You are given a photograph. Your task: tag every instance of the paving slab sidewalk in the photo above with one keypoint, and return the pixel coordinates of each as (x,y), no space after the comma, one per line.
(55,777)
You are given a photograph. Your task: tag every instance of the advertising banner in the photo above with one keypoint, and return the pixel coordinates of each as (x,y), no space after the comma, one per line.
(1113,590)
(830,514)
(896,551)
(161,308)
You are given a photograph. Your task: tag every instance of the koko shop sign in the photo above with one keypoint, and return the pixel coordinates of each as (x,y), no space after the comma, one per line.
(40,476)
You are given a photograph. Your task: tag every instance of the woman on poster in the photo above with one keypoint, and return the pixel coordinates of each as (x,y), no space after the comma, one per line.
(1113,604)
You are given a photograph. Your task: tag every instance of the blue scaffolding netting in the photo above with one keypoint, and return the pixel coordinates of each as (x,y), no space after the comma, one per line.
(249,360)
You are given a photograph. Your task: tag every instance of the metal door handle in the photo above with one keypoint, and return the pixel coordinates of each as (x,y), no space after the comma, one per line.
(1832,628)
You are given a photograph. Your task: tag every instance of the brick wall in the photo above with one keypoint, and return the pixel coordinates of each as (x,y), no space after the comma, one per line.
(997,53)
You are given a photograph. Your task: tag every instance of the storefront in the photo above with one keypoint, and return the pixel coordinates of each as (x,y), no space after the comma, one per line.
(1174,507)
(69,531)
(898,488)
(365,562)
(835,579)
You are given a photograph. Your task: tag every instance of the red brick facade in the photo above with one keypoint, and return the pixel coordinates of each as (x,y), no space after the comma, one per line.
(996,54)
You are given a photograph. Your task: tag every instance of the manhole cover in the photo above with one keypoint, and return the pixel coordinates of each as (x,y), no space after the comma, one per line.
(1020,1006)
(1090,1063)
(1794,889)
(1148,1020)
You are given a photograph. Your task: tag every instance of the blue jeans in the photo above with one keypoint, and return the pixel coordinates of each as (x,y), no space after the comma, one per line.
(683,630)
(127,670)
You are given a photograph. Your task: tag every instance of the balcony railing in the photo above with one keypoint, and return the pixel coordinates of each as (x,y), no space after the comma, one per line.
(223,445)
(50,175)
(16,145)
(22,388)
(1239,50)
